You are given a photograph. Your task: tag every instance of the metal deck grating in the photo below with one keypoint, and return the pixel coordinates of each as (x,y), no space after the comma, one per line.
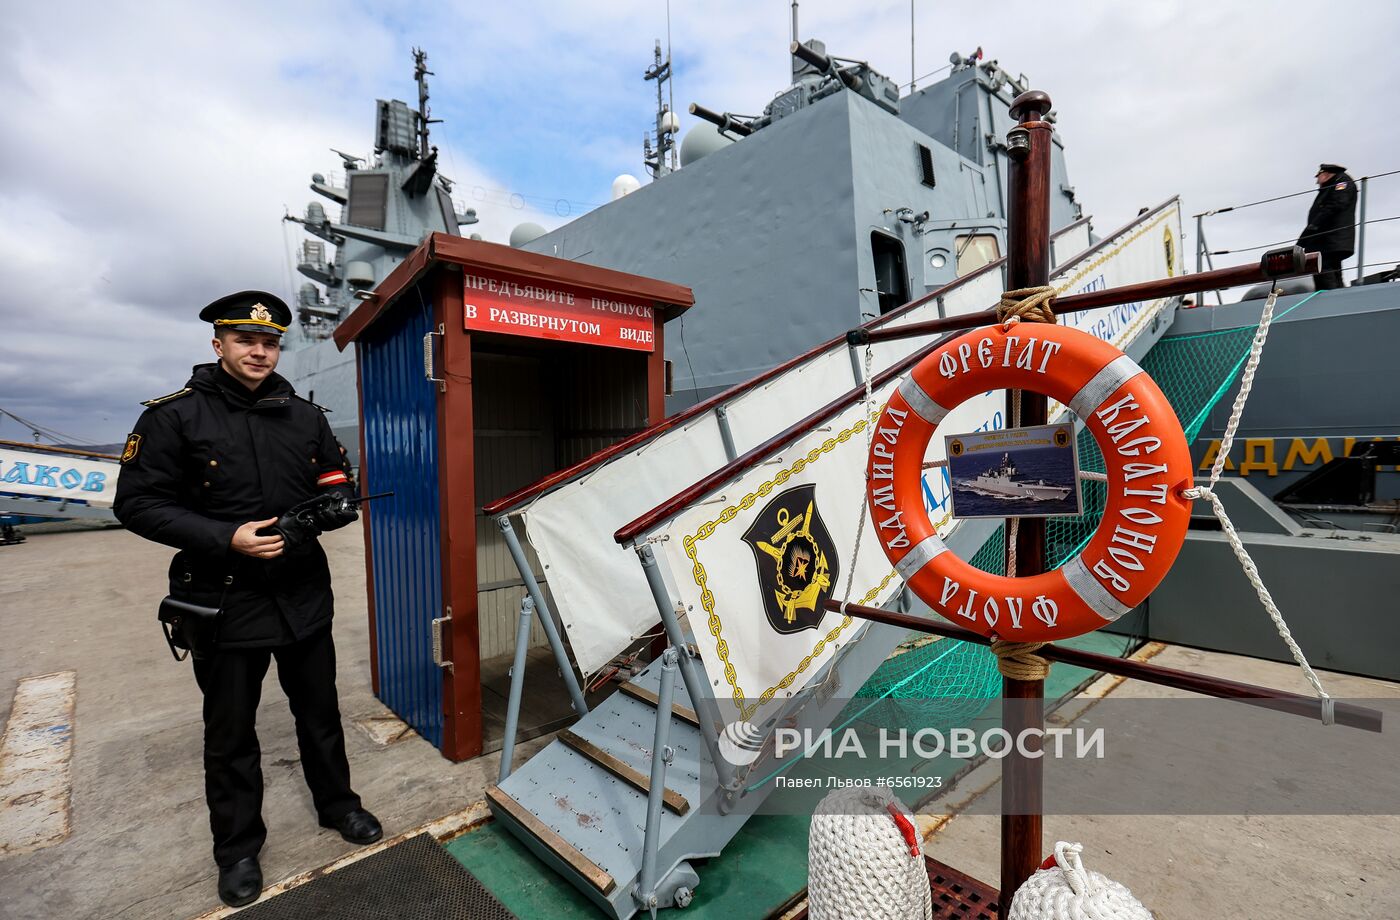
(955,896)
(960,896)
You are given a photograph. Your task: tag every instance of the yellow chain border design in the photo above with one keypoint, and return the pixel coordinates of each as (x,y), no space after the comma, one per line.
(707,597)
(1060,289)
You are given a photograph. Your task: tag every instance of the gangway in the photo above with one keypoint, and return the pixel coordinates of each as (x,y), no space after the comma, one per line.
(624,825)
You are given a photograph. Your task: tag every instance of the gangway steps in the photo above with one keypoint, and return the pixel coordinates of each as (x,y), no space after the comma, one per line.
(633,777)
(684,713)
(547,837)
(580,804)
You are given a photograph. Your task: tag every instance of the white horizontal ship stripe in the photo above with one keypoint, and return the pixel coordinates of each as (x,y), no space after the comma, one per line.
(1082,582)
(1113,375)
(923,404)
(921,555)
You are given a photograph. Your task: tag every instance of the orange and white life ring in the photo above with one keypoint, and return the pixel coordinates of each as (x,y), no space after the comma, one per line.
(1148,465)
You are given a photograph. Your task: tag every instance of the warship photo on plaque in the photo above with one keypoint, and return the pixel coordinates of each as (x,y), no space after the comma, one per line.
(1014,472)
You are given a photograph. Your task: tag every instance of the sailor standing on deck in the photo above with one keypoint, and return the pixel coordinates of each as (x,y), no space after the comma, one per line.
(1331,228)
(208,470)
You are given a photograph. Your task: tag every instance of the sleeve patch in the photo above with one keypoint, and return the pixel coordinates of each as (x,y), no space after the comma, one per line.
(333,478)
(133,445)
(1341,185)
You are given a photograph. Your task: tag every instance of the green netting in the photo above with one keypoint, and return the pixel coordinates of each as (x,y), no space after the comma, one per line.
(946,682)
(1193,371)
(928,682)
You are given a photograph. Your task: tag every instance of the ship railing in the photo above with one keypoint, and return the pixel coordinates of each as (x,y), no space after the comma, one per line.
(666,537)
(603,603)
(1205,255)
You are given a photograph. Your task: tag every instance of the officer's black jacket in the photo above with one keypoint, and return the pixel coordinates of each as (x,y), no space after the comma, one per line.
(1332,218)
(201,463)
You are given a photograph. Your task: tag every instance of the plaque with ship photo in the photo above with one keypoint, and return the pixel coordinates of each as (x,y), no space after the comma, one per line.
(1015,472)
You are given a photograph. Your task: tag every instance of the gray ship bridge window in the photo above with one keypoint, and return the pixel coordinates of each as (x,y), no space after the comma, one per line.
(976,250)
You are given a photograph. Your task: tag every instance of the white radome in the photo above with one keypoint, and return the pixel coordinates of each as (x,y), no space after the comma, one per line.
(700,141)
(526,233)
(624,185)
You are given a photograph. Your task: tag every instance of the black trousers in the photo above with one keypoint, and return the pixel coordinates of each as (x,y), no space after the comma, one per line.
(231,680)
(1330,278)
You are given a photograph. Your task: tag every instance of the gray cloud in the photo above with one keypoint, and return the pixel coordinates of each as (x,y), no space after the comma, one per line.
(149,149)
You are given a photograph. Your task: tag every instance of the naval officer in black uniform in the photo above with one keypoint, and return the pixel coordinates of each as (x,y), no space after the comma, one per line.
(208,470)
(1331,229)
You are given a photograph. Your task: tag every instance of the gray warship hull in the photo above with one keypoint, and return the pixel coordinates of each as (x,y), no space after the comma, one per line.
(1320,394)
(1324,374)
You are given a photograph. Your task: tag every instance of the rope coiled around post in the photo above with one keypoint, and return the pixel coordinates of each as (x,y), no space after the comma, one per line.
(1031,305)
(1018,660)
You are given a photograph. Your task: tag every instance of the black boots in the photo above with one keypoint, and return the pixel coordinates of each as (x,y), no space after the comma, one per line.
(358,827)
(240,883)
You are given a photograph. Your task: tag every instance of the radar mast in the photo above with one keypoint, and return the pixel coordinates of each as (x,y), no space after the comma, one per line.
(663,158)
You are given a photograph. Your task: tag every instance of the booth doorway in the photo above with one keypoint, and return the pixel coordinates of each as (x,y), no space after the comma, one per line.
(537,407)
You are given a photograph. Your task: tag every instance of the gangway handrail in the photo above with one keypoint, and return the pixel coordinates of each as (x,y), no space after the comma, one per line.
(1225,277)
(1233,276)
(512,501)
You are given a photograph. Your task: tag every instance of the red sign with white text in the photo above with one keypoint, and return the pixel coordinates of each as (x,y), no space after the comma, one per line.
(541,310)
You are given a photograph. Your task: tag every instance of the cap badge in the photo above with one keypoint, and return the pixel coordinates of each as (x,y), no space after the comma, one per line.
(261,313)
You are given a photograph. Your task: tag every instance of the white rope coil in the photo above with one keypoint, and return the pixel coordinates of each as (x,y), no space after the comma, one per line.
(859,864)
(1068,891)
(1251,571)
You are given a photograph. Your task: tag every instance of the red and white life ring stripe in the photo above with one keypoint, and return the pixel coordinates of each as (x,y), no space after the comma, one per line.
(1147,461)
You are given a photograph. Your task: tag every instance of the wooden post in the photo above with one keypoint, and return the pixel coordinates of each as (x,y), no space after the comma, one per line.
(1027,265)
(462,724)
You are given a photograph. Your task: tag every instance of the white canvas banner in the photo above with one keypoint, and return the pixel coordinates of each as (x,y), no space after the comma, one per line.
(601,596)
(54,476)
(753,563)
(599,589)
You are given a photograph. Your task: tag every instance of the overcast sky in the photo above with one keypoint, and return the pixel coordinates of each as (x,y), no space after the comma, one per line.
(148,150)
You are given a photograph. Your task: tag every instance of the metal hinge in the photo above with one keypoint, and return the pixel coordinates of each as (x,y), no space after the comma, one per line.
(438,624)
(428,356)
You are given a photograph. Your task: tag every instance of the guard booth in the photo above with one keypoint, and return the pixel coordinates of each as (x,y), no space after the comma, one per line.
(483,369)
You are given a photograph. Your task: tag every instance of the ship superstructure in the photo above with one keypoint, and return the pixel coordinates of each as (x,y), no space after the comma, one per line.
(841,202)
(1000,482)
(389,201)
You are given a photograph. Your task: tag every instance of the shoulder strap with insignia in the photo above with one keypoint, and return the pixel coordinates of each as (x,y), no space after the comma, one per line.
(310,403)
(160,400)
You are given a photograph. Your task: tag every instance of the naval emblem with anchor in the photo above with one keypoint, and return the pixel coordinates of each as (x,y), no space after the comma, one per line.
(796,560)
